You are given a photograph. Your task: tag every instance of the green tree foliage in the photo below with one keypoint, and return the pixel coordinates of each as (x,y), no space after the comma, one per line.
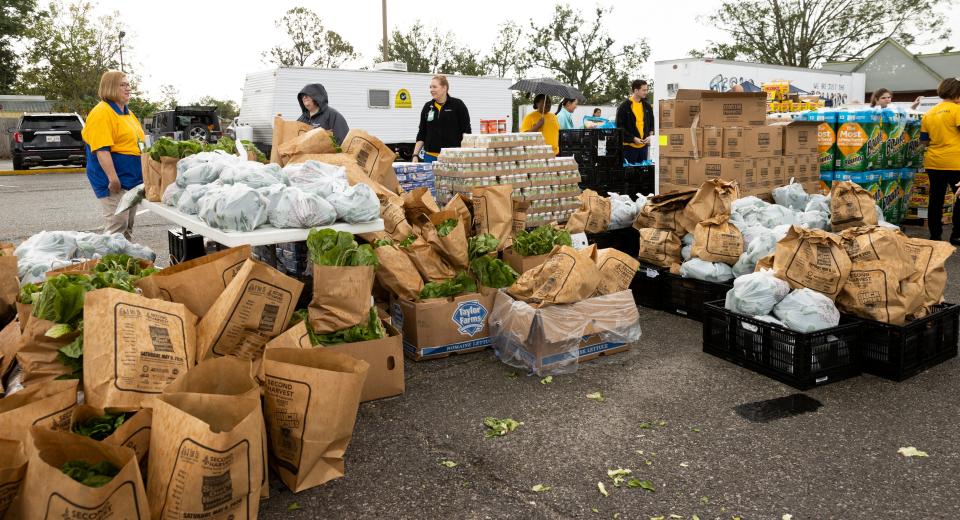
(169,97)
(226,108)
(434,51)
(14,15)
(71,48)
(311,44)
(579,51)
(507,57)
(806,33)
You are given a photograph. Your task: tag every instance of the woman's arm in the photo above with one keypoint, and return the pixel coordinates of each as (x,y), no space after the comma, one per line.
(106,162)
(539,124)
(416,151)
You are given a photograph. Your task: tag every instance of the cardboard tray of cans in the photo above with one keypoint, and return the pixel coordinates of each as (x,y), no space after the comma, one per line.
(495,155)
(510,140)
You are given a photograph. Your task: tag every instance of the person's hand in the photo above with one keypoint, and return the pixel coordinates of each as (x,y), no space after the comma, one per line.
(113,185)
(416,159)
(637,140)
(918,100)
(648,140)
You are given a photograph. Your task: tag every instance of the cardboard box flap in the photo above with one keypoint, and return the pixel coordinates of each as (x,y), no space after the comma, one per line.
(690,94)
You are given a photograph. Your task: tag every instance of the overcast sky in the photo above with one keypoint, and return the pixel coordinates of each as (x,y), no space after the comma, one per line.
(207,48)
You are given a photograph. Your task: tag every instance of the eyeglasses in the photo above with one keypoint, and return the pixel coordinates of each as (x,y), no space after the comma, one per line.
(125,85)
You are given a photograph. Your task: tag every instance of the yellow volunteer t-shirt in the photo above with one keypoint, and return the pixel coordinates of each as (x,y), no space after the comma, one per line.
(550,128)
(941,123)
(105,128)
(638,113)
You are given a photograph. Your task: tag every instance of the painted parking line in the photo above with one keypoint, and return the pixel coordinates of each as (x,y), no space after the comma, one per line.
(41,172)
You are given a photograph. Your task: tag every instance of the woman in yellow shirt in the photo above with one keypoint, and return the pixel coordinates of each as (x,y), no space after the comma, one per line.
(114,141)
(544,121)
(940,129)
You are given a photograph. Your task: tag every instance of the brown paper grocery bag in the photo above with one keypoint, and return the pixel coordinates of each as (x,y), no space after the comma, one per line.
(225,376)
(594,213)
(660,247)
(196,283)
(929,257)
(428,262)
(617,270)
(49,493)
(714,198)
(577,223)
(567,276)
(316,140)
(9,343)
(49,405)
(37,353)
(418,202)
(134,433)
(254,308)
(310,399)
(206,456)
(875,243)
(395,221)
(717,240)
(812,258)
(851,206)
(397,273)
(493,213)
(374,157)
(765,263)
(285,131)
(453,247)
(341,297)
(157,175)
(881,291)
(13,468)
(665,212)
(133,347)
(460,205)
(9,288)
(24,313)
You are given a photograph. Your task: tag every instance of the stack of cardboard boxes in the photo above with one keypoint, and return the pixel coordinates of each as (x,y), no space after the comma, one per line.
(706,134)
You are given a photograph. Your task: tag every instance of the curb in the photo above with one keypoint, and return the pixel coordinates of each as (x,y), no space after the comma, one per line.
(41,172)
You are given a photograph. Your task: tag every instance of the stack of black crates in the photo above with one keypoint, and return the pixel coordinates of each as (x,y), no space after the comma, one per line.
(599,156)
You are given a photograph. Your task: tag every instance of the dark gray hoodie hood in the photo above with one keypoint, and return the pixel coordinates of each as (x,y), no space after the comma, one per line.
(317,93)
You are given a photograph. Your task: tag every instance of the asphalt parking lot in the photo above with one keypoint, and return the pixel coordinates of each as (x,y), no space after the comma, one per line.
(667,415)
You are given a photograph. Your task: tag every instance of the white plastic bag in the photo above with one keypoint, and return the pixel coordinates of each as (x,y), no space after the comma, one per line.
(706,271)
(234,208)
(356,204)
(296,208)
(806,310)
(791,196)
(814,220)
(763,244)
(253,174)
(818,202)
(776,215)
(171,195)
(316,177)
(623,211)
(756,293)
(189,201)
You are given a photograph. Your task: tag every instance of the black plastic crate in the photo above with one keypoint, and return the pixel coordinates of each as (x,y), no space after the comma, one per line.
(184,245)
(647,286)
(626,240)
(898,352)
(686,296)
(802,360)
(593,147)
(293,259)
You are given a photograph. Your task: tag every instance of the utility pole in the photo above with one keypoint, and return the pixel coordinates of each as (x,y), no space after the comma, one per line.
(386,42)
(122,34)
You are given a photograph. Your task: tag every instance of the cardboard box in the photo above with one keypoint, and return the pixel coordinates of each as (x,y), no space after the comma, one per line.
(712,142)
(752,142)
(680,112)
(681,142)
(440,327)
(385,356)
(545,340)
(676,170)
(800,137)
(711,167)
(732,109)
(522,264)
(790,169)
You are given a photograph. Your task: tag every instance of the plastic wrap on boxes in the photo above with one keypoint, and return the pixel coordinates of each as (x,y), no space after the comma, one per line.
(547,341)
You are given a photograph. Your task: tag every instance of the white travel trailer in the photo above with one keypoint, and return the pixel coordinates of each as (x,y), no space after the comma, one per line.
(385,103)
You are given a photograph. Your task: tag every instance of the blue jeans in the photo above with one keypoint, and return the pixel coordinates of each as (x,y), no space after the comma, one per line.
(635,155)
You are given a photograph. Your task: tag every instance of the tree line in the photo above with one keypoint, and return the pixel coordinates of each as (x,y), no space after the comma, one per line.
(69,45)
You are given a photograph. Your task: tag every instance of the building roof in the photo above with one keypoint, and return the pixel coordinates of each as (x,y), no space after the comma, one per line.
(891,65)
(19,104)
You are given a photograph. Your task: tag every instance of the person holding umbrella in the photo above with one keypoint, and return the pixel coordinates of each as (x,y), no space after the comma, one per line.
(543,121)
(443,121)
(635,118)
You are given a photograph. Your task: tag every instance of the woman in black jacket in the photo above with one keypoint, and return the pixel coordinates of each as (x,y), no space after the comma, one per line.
(443,121)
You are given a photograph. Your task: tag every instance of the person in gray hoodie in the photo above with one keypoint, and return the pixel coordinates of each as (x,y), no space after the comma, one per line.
(316,111)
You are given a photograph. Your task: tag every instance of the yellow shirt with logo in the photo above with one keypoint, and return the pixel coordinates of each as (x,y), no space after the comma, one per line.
(638,113)
(941,123)
(105,128)
(550,128)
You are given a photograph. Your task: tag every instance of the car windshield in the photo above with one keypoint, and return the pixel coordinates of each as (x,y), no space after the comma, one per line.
(51,123)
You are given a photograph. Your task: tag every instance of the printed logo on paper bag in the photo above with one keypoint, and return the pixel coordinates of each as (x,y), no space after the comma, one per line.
(469,317)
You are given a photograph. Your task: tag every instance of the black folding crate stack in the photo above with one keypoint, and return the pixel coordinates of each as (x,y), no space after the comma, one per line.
(626,240)
(599,156)
(802,360)
(648,285)
(638,179)
(687,296)
(898,352)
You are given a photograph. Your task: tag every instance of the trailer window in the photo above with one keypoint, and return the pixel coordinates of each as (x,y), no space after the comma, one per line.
(378,98)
